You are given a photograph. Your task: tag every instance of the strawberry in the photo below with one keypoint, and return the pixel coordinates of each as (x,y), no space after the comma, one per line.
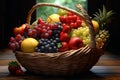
(62,19)
(73,25)
(66,28)
(13,66)
(64,37)
(19,72)
(63,47)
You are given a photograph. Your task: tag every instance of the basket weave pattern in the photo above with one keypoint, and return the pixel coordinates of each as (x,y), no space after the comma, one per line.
(61,63)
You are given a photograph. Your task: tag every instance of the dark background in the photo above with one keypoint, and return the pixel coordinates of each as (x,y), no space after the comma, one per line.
(14,12)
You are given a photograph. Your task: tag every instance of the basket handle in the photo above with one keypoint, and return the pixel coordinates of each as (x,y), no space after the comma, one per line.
(84,16)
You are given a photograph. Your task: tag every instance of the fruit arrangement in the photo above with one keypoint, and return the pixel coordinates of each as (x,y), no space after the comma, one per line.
(63,39)
(59,33)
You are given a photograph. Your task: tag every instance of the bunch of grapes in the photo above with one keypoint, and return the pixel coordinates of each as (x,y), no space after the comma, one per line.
(49,45)
(41,29)
(83,33)
(15,42)
(101,38)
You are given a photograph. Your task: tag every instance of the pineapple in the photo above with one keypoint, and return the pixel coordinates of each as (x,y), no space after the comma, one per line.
(103,17)
(101,38)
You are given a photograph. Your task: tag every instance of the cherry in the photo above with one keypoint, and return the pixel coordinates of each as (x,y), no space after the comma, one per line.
(62,19)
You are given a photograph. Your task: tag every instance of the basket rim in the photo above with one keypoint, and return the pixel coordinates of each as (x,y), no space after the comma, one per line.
(69,53)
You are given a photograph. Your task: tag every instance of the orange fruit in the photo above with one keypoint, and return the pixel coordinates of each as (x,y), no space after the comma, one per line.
(95,25)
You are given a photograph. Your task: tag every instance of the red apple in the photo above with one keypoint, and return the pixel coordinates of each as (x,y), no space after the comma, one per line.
(64,47)
(75,43)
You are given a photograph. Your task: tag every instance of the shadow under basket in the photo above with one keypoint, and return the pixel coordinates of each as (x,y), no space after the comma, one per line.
(61,63)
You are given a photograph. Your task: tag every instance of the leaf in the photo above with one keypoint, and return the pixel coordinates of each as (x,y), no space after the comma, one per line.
(110,13)
(104,11)
(100,13)
(59,45)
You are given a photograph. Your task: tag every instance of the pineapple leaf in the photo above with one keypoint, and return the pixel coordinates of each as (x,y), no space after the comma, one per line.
(100,13)
(103,16)
(104,11)
(110,13)
(96,16)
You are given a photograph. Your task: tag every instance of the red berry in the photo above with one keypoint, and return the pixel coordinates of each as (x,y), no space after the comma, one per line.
(62,19)
(51,26)
(79,22)
(44,30)
(18,37)
(67,20)
(34,31)
(64,37)
(42,23)
(12,69)
(69,14)
(70,17)
(50,32)
(55,26)
(39,20)
(74,25)
(19,72)
(64,47)
(12,46)
(13,66)
(12,39)
(66,28)
(46,35)
(39,29)
(44,27)
(74,17)
(17,45)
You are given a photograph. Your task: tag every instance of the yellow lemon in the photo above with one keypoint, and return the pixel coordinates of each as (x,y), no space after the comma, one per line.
(29,44)
(53,18)
(95,25)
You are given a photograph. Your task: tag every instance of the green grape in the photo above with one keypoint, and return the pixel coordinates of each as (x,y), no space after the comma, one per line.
(83,24)
(74,35)
(78,32)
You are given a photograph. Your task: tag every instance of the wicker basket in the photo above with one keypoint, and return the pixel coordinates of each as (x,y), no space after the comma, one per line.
(62,63)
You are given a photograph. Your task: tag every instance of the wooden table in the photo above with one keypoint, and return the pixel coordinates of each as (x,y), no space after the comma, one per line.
(107,68)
